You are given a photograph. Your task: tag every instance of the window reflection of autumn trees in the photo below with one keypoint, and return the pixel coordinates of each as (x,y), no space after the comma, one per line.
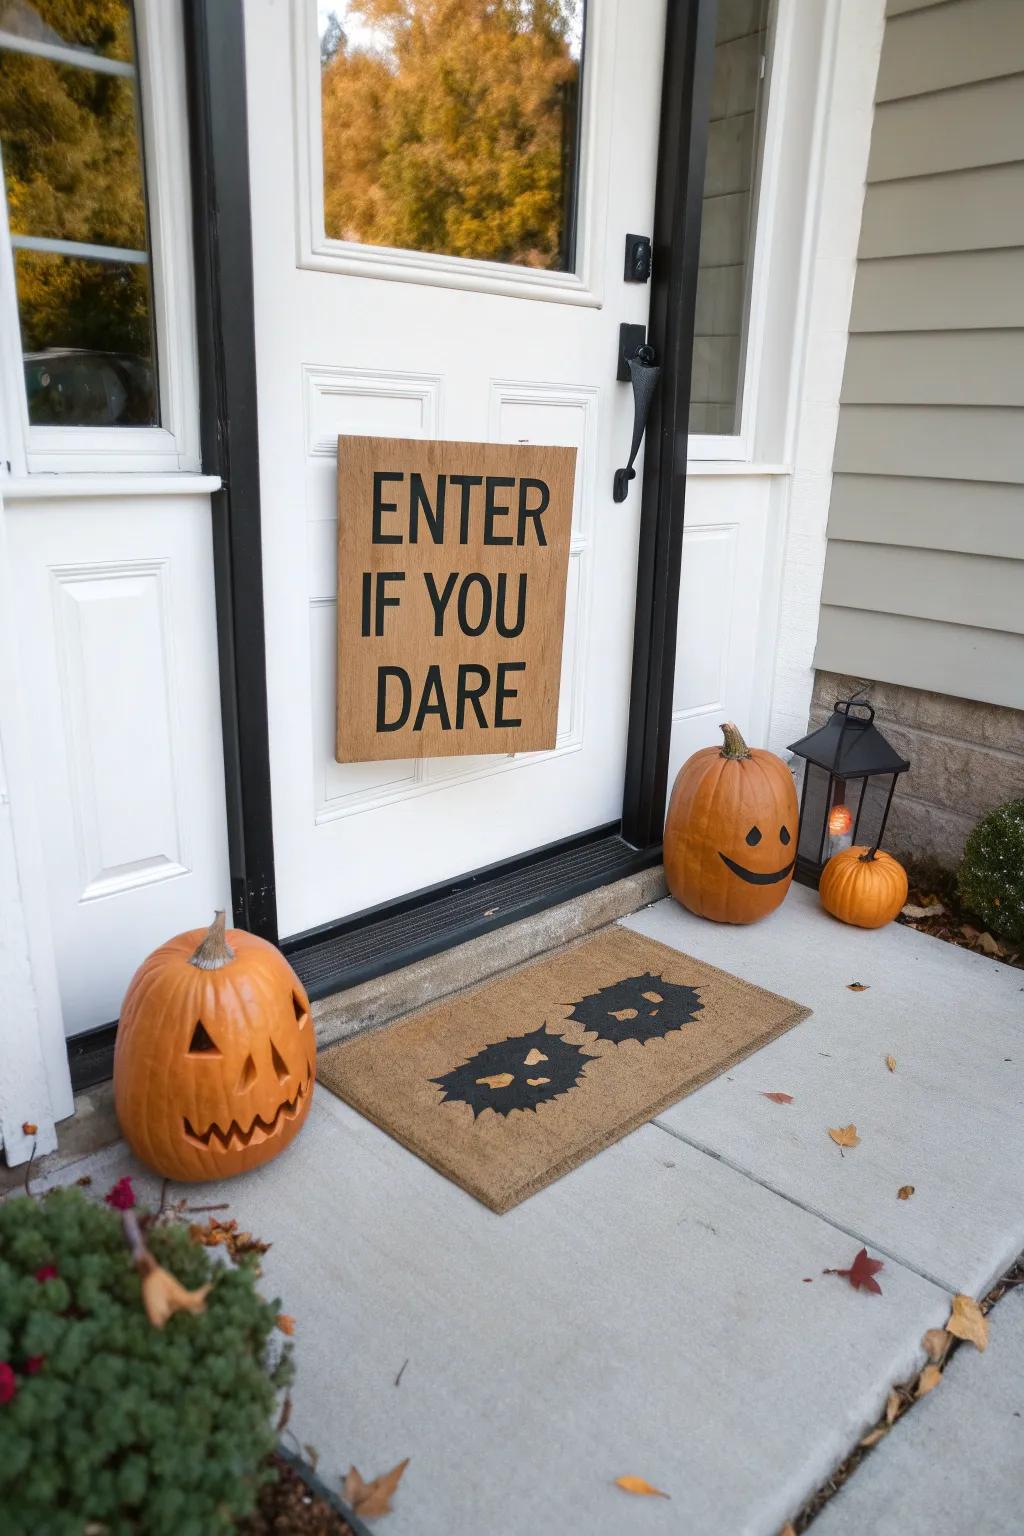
(73,171)
(453,129)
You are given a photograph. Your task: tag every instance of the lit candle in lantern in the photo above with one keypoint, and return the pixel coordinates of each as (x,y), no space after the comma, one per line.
(840,820)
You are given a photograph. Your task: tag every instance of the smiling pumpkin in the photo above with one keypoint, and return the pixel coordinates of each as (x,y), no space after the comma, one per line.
(730,836)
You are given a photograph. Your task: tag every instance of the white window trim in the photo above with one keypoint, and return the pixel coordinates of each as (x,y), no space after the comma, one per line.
(740,446)
(318,251)
(174,445)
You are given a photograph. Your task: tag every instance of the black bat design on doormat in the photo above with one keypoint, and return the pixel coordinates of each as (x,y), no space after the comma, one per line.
(517,1073)
(637,1008)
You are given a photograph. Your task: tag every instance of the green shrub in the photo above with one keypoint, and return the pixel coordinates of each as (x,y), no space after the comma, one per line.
(991,875)
(106,1419)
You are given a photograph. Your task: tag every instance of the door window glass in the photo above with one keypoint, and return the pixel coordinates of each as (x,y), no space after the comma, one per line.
(72,160)
(728,216)
(452,126)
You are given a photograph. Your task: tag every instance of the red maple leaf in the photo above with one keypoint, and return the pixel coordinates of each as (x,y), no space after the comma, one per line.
(778,1098)
(861,1273)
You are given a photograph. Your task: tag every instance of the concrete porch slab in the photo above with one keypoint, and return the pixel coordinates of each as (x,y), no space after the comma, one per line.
(956,1462)
(948,1120)
(647,1314)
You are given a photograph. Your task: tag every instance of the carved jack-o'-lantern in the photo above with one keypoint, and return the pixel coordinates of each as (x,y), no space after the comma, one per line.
(730,836)
(215,1056)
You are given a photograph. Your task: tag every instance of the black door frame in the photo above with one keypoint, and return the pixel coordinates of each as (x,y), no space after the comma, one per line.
(442,915)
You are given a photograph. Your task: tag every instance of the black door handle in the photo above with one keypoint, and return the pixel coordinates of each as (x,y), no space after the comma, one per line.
(645,373)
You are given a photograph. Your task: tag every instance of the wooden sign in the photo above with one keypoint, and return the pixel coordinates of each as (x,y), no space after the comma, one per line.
(452,565)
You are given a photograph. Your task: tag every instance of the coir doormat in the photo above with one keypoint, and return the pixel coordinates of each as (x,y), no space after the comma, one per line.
(506,1087)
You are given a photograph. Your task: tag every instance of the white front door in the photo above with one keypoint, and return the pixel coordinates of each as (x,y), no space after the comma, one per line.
(441,191)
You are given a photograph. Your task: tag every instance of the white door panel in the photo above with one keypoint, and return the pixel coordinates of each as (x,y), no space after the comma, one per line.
(439,347)
(719,673)
(118,644)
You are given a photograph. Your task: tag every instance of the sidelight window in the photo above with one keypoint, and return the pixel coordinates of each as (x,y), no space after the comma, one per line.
(70,137)
(728,218)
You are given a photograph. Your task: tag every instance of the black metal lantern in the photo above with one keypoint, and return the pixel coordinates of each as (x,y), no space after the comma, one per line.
(846,752)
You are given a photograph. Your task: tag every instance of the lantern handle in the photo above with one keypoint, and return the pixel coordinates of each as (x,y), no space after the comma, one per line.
(843,706)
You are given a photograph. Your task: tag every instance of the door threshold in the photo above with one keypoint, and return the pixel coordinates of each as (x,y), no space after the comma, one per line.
(396,934)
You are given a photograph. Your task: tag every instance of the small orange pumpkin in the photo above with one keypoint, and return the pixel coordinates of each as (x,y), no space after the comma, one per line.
(215,1055)
(730,836)
(863,886)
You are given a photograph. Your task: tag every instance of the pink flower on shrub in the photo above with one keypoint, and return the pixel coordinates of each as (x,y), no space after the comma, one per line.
(47,1272)
(34,1364)
(8,1382)
(122,1196)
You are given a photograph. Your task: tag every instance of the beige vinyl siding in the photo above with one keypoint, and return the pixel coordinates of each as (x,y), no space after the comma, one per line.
(924,576)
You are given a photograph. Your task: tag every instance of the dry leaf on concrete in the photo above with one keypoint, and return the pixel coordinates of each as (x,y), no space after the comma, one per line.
(856,986)
(844,1135)
(928,1380)
(789,1529)
(893,1403)
(861,1273)
(778,1098)
(878,1433)
(640,1485)
(936,1342)
(285,1323)
(968,1322)
(904,1192)
(990,946)
(372,1499)
(890,1062)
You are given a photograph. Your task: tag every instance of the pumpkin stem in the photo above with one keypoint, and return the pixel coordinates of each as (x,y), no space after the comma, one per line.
(869,857)
(214,952)
(733,745)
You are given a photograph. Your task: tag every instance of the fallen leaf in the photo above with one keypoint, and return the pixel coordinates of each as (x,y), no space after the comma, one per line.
(285,1323)
(893,1403)
(653,997)
(28,1129)
(845,1135)
(312,1455)
(497,1080)
(856,986)
(640,1485)
(85,1180)
(928,1380)
(969,931)
(873,1438)
(968,1322)
(904,1192)
(936,1342)
(778,1098)
(372,1499)
(216,1233)
(533,1058)
(789,1529)
(861,1273)
(163,1294)
(622,1014)
(890,1062)
(934,909)
(990,946)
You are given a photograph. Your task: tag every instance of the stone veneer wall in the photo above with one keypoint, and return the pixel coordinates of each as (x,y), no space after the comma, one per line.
(965,759)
